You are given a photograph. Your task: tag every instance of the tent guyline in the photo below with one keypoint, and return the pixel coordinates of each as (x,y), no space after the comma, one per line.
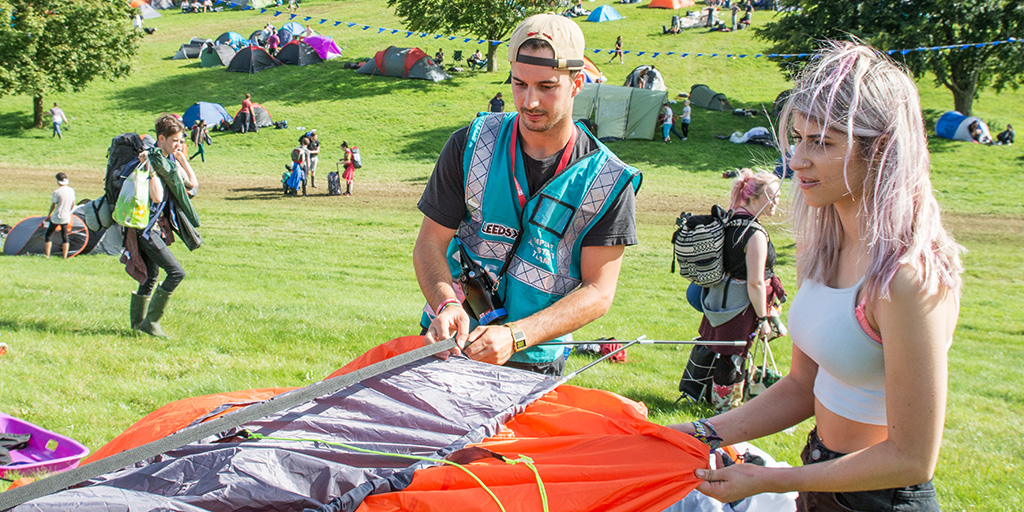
(522,459)
(652,54)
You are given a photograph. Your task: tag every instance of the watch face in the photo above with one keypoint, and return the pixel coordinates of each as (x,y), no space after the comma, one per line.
(520,344)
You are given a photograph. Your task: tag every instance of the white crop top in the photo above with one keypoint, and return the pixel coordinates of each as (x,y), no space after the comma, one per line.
(851,366)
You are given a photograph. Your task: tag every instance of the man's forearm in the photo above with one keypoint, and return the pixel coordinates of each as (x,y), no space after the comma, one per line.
(580,307)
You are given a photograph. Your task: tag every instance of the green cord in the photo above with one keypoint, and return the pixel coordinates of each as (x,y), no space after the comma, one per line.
(522,458)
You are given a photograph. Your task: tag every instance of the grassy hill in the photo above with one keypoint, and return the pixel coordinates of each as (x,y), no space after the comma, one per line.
(285,289)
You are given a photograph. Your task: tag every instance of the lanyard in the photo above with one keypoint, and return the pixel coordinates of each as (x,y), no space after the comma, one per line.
(566,154)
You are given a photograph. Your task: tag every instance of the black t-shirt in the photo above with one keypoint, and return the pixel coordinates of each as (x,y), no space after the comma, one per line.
(314,145)
(497,105)
(735,256)
(444,198)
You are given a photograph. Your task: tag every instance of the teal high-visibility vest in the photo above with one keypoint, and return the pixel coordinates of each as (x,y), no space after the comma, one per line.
(552,225)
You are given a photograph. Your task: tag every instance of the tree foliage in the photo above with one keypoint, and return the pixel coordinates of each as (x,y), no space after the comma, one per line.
(910,24)
(49,46)
(491,20)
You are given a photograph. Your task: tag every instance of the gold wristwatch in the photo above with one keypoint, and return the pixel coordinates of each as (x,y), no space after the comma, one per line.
(518,337)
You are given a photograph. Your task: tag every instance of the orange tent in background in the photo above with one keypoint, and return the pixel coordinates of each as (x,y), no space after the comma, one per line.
(136,3)
(670,4)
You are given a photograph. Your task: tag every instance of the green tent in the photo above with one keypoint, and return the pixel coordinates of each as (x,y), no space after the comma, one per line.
(213,56)
(619,112)
(702,96)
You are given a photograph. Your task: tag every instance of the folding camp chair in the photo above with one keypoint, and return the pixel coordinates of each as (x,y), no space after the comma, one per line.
(457,56)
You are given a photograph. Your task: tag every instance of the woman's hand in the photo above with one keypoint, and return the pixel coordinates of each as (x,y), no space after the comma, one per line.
(732,483)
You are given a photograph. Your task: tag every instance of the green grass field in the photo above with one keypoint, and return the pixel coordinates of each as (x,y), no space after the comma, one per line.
(285,289)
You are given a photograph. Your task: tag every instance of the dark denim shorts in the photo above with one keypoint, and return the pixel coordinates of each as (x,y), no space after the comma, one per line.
(913,498)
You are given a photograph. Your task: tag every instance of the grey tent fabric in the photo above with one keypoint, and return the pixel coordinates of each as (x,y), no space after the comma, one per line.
(252,59)
(298,53)
(429,408)
(404,63)
(619,112)
(653,81)
(192,49)
(148,12)
(260,118)
(162,4)
(702,96)
(213,56)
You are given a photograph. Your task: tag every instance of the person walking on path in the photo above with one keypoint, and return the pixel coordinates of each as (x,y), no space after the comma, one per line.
(200,137)
(521,188)
(313,149)
(348,162)
(617,51)
(879,282)
(246,113)
(58,117)
(61,204)
(497,104)
(170,179)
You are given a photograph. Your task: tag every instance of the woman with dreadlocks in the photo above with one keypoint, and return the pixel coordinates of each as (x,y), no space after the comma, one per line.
(878,300)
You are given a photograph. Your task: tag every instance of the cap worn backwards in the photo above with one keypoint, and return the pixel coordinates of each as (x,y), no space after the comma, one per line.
(563,34)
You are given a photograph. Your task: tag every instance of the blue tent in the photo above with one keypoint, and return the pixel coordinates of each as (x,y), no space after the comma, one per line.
(604,13)
(295,28)
(956,126)
(236,40)
(212,113)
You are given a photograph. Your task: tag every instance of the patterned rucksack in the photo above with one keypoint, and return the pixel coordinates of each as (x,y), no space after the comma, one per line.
(699,243)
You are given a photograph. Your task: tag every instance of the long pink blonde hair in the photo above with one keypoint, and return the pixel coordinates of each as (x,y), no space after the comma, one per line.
(860,92)
(749,185)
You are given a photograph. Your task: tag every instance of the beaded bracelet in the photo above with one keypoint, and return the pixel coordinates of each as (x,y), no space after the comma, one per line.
(705,432)
(445,303)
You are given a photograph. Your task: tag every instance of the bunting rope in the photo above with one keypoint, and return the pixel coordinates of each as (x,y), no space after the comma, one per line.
(652,54)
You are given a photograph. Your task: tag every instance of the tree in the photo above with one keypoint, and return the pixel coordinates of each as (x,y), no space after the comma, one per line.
(910,24)
(49,46)
(490,20)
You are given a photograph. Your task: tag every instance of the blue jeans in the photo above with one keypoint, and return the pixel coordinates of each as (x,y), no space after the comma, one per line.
(56,130)
(912,498)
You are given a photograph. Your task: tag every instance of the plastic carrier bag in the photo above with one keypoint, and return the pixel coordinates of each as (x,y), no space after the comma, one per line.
(132,208)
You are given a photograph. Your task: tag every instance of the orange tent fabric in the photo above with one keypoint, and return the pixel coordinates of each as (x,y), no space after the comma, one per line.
(594,450)
(670,4)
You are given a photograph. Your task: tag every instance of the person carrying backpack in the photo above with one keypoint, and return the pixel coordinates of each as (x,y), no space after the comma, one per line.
(170,180)
(738,308)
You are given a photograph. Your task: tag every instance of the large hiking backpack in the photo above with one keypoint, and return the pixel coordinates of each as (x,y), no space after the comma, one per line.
(333,184)
(122,159)
(699,245)
(357,159)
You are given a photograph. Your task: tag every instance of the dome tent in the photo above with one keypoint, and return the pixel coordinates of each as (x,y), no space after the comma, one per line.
(702,96)
(654,80)
(260,118)
(192,49)
(604,13)
(213,56)
(403,63)
(233,39)
(29,237)
(619,112)
(252,59)
(298,53)
(955,126)
(212,113)
(325,46)
(295,29)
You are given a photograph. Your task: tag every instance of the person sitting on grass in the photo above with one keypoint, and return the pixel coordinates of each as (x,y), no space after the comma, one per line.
(1005,137)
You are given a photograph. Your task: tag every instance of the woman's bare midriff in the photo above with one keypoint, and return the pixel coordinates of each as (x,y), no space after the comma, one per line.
(843,435)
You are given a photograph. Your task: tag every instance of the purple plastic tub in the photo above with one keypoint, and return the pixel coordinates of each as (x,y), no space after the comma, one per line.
(46,451)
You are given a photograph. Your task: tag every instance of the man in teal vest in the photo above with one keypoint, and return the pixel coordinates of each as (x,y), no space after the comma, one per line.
(537,204)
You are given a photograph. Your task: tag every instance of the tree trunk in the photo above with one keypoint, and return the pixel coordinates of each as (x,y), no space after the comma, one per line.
(37,111)
(491,64)
(963,101)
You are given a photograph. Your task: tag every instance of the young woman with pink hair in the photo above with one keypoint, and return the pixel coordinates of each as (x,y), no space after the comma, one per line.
(879,286)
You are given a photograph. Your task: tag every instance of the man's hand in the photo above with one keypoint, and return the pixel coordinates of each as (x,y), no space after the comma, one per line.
(490,344)
(143,157)
(452,320)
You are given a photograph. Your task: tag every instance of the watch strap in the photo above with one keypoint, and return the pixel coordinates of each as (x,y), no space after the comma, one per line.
(518,337)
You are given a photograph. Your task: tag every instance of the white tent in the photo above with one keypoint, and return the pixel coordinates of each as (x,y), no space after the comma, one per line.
(148,12)
(619,112)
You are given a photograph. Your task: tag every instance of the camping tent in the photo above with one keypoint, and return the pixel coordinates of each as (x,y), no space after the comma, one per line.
(404,63)
(955,126)
(260,117)
(298,53)
(147,11)
(252,59)
(295,29)
(192,49)
(702,96)
(257,38)
(670,4)
(595,450)
(213,56)
(590,72)
(162,4)
(255,4)
(285,36)
(212,113)
(653,81)
(619,112)
(325,46)
(604,13)
(233,39)
(28,237)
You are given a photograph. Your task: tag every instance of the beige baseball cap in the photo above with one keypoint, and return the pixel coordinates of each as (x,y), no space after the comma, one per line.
(563,34)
